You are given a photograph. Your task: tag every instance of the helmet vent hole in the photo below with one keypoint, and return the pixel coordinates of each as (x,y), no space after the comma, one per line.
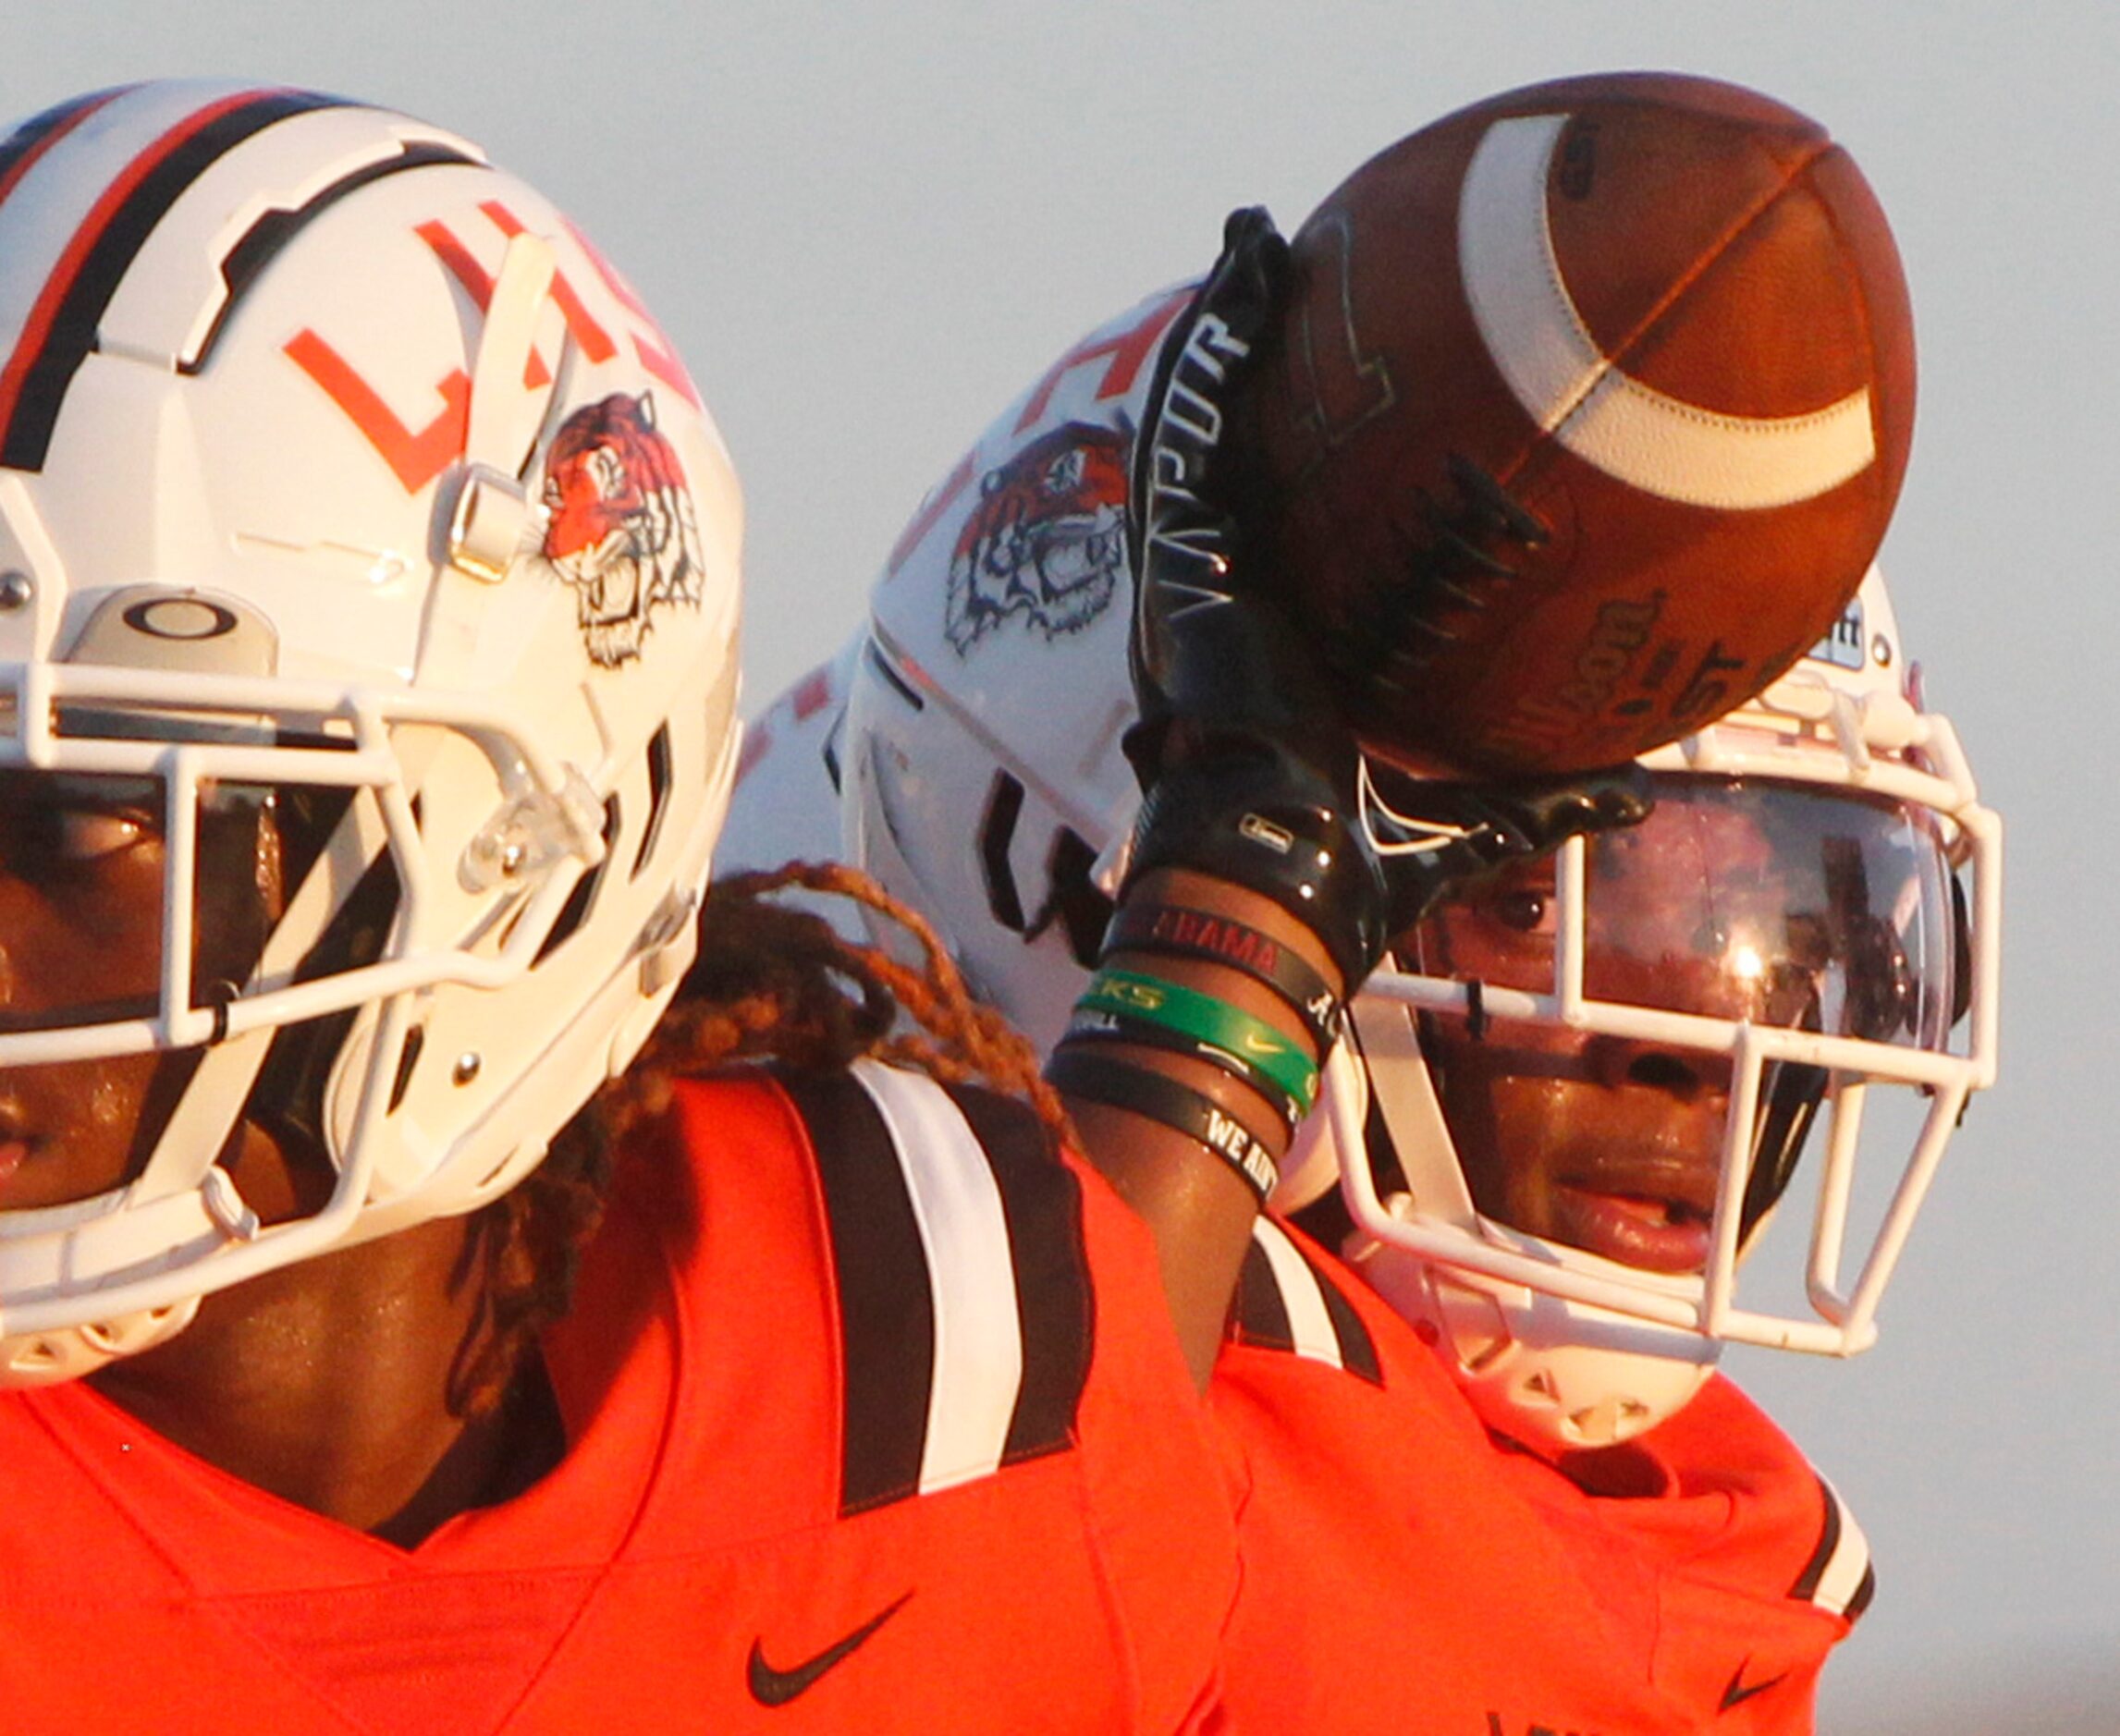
(996,831)
(407,1058)
(1083,911)
(498,1173)
(658,760)
(583,897)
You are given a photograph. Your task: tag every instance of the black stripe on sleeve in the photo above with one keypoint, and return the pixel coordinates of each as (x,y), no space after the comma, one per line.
(1357,1349)
(887,1310)
(1807,1586)
(27,436)
(1863,1594)
(1261,1310)
(1041,1203)
(1833,1543)
(1261,1316)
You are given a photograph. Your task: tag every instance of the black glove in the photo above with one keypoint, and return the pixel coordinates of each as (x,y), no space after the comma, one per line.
(1211,659)
(1248,773)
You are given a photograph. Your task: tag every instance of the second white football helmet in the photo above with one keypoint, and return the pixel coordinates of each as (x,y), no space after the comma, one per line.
(1647,1030)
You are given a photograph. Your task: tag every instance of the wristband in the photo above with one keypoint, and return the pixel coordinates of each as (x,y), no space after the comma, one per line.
(1089,1026)
(1173,929)
(1177,1107)
(1252,1044)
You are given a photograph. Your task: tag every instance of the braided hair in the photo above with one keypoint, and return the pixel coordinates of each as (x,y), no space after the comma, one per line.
(771,981)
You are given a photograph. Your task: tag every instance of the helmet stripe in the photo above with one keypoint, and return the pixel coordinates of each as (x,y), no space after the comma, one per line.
(61,329)
(37,135)
(262,242)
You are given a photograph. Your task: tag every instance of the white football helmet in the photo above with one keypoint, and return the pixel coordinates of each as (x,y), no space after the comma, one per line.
(981,779)
(365,550)
(1808,921)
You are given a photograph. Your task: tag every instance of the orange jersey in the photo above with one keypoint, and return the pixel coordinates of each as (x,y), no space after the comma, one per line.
(875,1423)
(1404,1569)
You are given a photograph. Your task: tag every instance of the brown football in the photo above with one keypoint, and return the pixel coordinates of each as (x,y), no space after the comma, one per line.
(1586,416)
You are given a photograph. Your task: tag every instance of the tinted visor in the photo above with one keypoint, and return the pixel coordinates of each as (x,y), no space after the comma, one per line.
(1781,904)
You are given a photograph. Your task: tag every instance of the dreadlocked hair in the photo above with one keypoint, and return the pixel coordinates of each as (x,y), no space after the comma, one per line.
(772,981)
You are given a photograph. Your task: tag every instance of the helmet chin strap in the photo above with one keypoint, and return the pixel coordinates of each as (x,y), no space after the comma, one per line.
(44,1359)
(1555,1375)
(1404,1088)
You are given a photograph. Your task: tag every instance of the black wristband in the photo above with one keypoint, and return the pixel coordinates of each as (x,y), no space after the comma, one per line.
(1093,1025)
(1175,930)
(1120,1085)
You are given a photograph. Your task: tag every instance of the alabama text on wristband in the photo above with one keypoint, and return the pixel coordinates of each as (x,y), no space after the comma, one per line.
(1175,929)
(1252,1044)
(1259,815)
(1180,1107)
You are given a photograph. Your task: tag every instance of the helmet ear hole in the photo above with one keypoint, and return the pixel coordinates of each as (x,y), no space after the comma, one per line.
(1084,911)
(575,911)
(659,769)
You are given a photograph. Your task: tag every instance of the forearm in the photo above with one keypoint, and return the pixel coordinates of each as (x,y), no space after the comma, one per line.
(1196,1199)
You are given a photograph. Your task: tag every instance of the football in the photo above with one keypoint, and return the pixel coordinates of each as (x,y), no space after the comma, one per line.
(1584,419)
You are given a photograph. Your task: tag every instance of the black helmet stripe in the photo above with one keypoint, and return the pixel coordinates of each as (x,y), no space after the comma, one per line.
(21,148)
(61,329)
(262,242)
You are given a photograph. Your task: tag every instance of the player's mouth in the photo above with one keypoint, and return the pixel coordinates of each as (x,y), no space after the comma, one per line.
(1656,1222)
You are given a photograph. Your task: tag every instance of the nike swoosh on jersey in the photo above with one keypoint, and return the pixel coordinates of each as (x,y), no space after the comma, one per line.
(777,1687)
(1736,1694)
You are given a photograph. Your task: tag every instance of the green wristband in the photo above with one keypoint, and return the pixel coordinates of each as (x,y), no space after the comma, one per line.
(1251,1044)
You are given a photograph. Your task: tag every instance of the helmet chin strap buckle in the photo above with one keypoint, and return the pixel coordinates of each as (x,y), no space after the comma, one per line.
(487,524)
(230,1212)
(528,835)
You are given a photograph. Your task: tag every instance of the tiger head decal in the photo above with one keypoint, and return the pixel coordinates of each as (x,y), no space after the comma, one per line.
(620,529)
(1047,538)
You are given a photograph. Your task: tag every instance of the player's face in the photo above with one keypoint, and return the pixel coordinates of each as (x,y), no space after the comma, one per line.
(81,934)
(81,942)
(1777,907)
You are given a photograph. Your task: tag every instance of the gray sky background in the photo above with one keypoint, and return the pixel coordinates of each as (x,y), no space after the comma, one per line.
(868,226)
